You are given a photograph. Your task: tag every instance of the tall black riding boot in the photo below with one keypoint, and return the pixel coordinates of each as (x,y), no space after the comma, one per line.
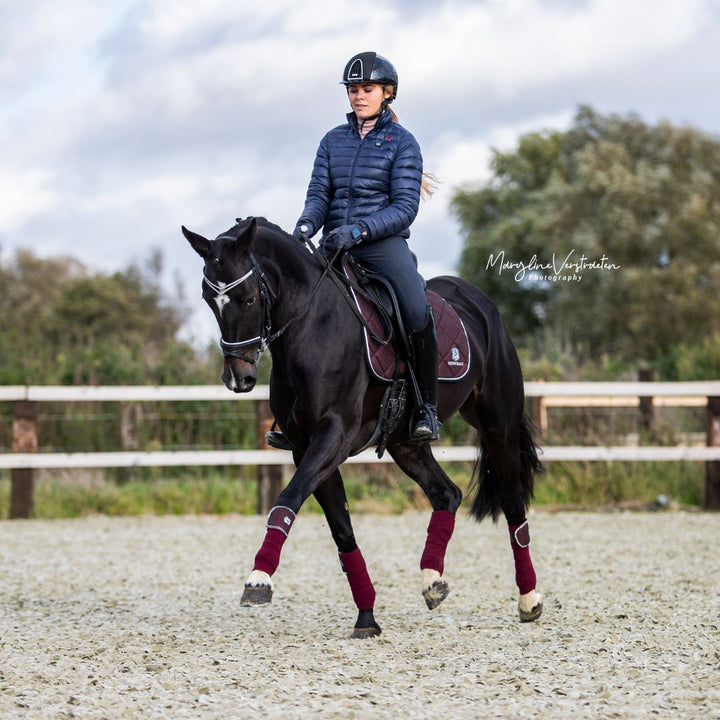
(425,426)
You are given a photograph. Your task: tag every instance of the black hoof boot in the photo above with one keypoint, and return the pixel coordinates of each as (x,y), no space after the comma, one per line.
(365,627)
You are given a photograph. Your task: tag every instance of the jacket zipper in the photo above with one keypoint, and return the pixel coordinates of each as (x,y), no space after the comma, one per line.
(348,213)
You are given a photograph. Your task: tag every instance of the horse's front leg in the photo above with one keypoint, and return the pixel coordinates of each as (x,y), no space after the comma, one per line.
(418,462)
(333,500)
(325,453)
(258,588)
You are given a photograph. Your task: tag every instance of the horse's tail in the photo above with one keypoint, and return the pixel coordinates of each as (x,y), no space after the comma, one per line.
(486,482)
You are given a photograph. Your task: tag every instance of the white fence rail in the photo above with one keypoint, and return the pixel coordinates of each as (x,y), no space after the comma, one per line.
(458,453)
(560,393)
(550,394)
(542,395)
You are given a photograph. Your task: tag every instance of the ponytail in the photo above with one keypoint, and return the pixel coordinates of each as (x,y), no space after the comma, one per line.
(428,185)
(429,181)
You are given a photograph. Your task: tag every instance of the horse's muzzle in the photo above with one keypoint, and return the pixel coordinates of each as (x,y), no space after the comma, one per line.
(239,375)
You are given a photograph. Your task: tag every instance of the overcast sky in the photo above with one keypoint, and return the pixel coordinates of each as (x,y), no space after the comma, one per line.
(121,120)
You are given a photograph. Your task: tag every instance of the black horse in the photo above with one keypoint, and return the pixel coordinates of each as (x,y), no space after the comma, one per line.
(267,289)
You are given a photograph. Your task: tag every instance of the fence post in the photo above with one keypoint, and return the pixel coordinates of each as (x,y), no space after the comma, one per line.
(712,468)
(269,477)
(24,440)
(646,403)
(130,418)
(538,413)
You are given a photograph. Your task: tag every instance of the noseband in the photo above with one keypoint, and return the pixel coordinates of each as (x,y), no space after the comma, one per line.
(234,349)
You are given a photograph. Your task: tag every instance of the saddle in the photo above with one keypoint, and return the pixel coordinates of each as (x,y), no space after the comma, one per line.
(375,301)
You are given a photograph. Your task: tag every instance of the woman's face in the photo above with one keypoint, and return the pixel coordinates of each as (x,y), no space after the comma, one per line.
(366,99)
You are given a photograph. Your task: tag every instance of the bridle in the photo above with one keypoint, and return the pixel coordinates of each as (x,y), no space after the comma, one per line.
(267,296)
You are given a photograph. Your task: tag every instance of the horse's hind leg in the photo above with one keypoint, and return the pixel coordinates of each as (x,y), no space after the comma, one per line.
(530,603)
(417,461)
(505,483)
(331,497)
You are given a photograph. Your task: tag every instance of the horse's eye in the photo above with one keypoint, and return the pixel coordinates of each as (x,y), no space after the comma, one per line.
(250,300)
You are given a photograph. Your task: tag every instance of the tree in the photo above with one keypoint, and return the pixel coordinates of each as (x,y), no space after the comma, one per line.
(29,290)
(605,236)
(60,324)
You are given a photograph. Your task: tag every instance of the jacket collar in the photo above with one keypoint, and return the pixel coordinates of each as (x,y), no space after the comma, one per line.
(384,120)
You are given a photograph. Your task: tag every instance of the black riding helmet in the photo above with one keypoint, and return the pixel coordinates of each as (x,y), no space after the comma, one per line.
(370,67)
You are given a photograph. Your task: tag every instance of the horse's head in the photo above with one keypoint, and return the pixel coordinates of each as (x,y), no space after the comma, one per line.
(233,288)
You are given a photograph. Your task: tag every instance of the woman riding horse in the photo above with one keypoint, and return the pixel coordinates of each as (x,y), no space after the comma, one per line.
(364,193)
(267,291)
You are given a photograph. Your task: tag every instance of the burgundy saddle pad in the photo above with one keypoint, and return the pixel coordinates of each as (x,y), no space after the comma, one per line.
(453,343)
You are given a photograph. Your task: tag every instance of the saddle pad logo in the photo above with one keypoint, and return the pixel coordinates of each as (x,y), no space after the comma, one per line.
(455,358)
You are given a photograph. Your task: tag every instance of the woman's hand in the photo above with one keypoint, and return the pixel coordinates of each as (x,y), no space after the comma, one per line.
(345,237)
(303,232)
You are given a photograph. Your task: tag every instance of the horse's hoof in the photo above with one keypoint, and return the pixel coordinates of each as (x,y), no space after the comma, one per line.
(365,633)
(256,595)
(530,606)
(365,627)
(436,593)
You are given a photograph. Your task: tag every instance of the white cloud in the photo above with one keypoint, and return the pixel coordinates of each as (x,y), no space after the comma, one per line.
(25,193)
(503,47)
(123,119)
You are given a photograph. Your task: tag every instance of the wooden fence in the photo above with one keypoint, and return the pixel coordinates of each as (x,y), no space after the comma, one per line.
(645,396)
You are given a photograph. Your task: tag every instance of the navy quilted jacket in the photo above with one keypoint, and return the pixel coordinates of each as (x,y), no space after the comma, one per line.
(374,181)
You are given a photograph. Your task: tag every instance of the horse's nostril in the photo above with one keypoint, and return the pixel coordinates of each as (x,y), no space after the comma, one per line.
(238,376)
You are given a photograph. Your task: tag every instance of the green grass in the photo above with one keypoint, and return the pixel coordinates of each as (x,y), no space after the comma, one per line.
(177,496)
(596,484)
(374,488)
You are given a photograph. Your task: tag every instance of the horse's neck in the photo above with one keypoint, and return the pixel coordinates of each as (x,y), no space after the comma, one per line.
(288,264)
(301,286)
(293,275)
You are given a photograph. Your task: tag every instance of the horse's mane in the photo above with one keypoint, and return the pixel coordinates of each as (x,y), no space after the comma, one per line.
(273,240)
(263,223)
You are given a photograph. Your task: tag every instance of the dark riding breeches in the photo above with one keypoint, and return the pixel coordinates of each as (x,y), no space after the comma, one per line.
(391,257)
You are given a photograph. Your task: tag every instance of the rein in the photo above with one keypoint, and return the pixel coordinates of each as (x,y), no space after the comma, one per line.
(267,297)
(343,283)
(313,292)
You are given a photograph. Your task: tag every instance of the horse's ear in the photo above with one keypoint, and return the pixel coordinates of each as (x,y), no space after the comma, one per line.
(245,241)
(200,244)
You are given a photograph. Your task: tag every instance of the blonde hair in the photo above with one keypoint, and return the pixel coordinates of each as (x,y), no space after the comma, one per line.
(429,181)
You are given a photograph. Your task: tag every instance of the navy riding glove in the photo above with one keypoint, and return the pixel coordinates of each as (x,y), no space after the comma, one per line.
(345,237)
(303,232)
